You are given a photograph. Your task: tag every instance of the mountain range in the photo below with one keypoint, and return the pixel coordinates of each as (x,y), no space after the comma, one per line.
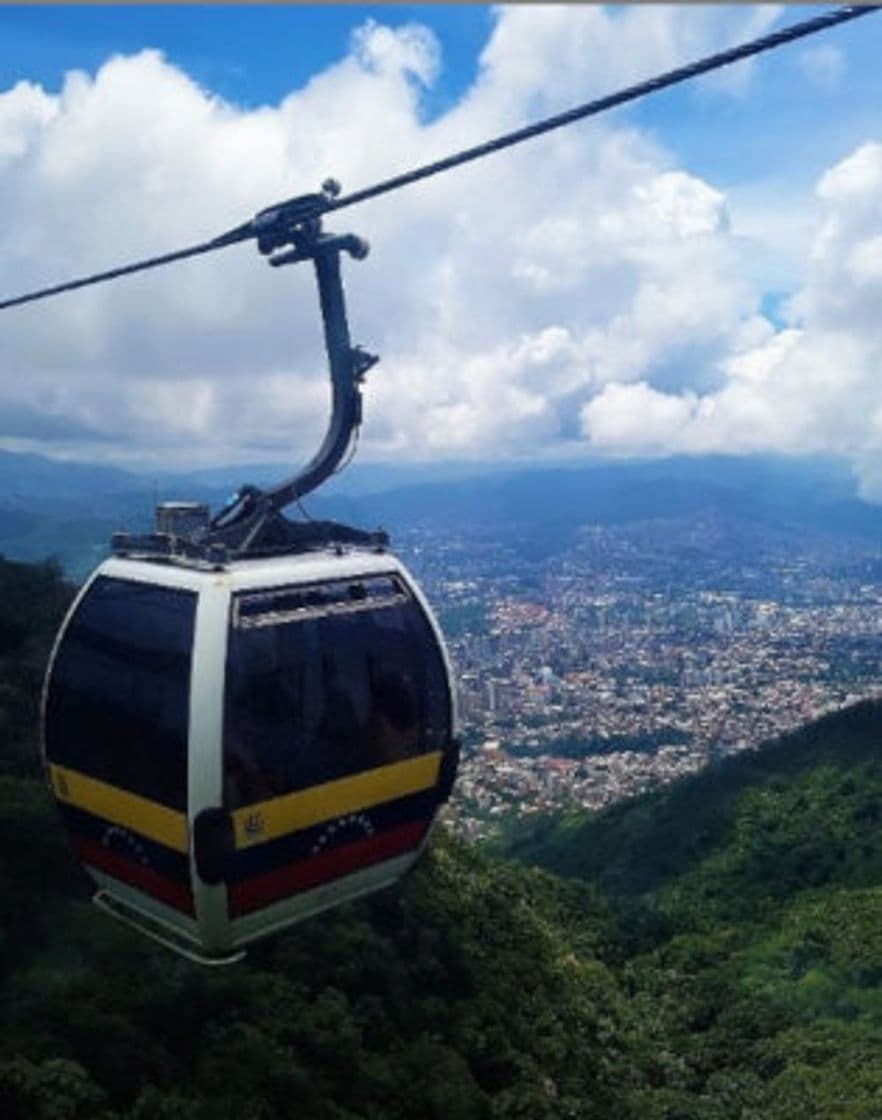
(69,510)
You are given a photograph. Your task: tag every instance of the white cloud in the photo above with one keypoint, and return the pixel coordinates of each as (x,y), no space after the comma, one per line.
(583,287)
(637,417)
(24,111)
(814,386)
(411,50)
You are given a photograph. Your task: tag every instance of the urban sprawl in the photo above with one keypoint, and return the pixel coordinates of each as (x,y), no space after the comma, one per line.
(633,657)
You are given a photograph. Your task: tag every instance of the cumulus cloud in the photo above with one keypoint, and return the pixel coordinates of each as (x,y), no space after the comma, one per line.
(411,50)
(637,417)
(582,288)
(813,385)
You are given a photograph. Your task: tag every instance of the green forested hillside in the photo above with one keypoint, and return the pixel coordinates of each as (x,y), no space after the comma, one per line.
(740,839)
(749,902)
(713,952)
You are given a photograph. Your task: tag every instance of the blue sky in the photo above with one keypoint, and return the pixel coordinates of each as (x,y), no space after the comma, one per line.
(252,55)
(256,54)
(681,275)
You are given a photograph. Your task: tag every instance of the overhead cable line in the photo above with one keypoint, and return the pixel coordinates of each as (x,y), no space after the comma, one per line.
(271,227)
(612,100)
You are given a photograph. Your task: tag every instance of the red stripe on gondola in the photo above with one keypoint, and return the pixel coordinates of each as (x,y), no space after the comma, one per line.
(136,875)
(312,872)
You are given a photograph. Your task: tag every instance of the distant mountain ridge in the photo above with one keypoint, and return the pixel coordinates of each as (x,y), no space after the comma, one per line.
(70,509)
(25,477)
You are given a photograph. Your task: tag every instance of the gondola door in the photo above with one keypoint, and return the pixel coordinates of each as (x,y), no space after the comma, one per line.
(337,717)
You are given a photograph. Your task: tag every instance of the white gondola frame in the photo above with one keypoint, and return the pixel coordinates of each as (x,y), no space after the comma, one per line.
(213,936)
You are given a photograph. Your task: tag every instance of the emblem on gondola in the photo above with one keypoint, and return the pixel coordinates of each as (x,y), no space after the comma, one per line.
(254,824)
(344,830)
(124,843)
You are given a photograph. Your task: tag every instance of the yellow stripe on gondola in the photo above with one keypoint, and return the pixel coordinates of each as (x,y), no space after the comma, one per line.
(268,820)
(148,818)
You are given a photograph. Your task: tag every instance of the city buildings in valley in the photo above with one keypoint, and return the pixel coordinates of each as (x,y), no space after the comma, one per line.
(627,660)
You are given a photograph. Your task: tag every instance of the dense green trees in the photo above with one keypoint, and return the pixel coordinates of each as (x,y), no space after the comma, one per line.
(749,903)
(32,602)
(714,953)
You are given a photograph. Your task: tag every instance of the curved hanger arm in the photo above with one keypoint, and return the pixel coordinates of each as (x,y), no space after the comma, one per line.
(253,513)
(348,365)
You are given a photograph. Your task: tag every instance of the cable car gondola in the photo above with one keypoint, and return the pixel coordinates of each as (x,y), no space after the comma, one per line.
(248,720)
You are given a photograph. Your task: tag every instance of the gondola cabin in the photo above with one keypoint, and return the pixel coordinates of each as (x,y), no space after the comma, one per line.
(236,747)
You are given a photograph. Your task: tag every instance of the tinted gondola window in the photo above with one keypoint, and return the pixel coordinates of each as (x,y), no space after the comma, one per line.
(118,702)
(328,680)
